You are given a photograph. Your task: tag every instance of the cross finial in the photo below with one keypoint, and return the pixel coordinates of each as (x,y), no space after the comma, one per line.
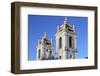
(65,20)
(45,35)
(65,23)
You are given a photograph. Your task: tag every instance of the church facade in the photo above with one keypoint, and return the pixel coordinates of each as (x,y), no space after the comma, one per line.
(65,44)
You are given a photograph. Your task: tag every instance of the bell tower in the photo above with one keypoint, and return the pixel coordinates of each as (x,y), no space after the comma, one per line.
(44,48)
(66,41)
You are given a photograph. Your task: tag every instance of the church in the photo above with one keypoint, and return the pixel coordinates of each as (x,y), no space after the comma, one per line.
(66,46)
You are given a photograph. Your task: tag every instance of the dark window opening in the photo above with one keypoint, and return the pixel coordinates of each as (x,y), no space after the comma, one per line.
(59,57)
(39,53)
(70,56)
(60,43)
(50,52)
(47,50)
(70,42)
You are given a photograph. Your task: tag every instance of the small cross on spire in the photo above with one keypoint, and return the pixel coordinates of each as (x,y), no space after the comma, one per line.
(65,23)
(45,35)
(65,20)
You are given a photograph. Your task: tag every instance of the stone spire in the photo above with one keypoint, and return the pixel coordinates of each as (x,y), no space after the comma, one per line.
(45,35)
(39,41)
(65,23)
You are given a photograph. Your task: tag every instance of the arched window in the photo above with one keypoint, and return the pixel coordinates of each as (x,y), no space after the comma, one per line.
(70,42)
(60,43)
(39,53)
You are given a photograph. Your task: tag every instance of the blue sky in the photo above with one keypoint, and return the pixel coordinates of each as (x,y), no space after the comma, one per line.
(38,24)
